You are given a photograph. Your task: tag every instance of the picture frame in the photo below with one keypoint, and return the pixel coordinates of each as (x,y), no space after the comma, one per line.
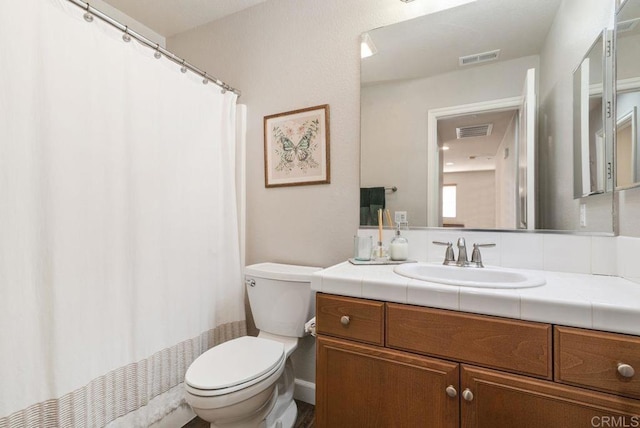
(296,147)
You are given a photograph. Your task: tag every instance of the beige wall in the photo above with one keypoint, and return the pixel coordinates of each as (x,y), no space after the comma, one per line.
(285,55)
(394,124)
(475,198)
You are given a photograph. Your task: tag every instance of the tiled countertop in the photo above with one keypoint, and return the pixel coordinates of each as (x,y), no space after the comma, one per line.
(590,301)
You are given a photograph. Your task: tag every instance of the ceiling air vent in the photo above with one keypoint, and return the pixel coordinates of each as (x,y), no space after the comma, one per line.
(478,58)
(474,131)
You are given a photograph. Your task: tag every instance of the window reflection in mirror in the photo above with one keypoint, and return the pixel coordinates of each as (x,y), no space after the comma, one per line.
(627,94)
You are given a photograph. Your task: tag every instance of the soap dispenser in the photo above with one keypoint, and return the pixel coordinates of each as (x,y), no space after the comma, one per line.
(399,247)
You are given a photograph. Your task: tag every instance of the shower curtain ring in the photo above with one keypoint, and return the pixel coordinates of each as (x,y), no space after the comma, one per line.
(126,37)
(88,16)
(206,79)
(183,68)
(157,54)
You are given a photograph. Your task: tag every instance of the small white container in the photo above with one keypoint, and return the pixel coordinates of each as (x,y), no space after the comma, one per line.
(399,247)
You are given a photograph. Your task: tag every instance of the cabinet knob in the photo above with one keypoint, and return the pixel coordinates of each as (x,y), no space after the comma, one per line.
(467,394)
(345,320)
(626,370)
(451,391)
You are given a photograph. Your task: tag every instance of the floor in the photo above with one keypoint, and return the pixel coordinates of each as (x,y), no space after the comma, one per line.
(305,419)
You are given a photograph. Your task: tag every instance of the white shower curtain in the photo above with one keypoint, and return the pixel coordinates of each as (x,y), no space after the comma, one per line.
(119,259)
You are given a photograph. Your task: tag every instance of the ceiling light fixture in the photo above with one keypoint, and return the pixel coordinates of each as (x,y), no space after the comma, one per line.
(367,48)
(445,147)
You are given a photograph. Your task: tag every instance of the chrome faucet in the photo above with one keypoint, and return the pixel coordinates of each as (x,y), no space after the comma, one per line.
(476,258)
(462,252)
(449,257)
(463,260)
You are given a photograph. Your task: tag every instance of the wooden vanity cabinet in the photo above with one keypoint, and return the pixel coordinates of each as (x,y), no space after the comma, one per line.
(505,400)
(451,369)
(360,385)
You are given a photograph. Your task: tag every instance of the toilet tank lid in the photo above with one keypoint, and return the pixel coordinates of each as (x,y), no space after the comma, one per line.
(281,272)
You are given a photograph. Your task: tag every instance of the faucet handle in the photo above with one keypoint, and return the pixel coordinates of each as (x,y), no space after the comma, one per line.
(449,257)
(476,257)
(484,245)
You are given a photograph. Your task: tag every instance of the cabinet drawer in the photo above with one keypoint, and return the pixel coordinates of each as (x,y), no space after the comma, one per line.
(350,318)
(591,359)
(512,345)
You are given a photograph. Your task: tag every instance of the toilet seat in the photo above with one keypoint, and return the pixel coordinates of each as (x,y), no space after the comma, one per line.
(234,365)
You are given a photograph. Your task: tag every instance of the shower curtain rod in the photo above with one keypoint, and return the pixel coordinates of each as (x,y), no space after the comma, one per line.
(155,46)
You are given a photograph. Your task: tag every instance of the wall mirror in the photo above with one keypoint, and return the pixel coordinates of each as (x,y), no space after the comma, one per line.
(627,95)
(479,98)
(593,163)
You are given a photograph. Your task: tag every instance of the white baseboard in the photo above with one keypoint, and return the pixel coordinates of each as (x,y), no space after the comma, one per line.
(305,391)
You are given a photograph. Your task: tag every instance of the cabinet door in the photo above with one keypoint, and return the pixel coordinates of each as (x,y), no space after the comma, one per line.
(492,399)
(359,385)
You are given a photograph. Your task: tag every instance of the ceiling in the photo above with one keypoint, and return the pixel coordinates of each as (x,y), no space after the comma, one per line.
(170,17)
(431,44)
(473,153)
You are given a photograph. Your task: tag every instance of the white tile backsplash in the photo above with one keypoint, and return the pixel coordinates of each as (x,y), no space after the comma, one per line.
(604,255)
(600,255)
(629,257)
(567,253)
(522,251)
(418,244)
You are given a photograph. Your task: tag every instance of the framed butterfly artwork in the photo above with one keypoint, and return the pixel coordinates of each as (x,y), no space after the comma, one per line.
(296,147)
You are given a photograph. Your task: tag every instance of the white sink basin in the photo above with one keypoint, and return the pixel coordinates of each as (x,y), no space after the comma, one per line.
(487,277)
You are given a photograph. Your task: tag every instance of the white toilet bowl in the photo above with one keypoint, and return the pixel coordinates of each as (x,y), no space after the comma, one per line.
(235,383)
(248,382)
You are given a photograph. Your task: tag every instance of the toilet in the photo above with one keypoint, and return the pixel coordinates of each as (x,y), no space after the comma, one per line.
(248,381)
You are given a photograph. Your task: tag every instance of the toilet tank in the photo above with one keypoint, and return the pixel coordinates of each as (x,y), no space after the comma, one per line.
(280,297)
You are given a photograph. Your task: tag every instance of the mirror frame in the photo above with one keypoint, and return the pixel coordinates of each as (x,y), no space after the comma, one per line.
(583,169)
(634,114)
